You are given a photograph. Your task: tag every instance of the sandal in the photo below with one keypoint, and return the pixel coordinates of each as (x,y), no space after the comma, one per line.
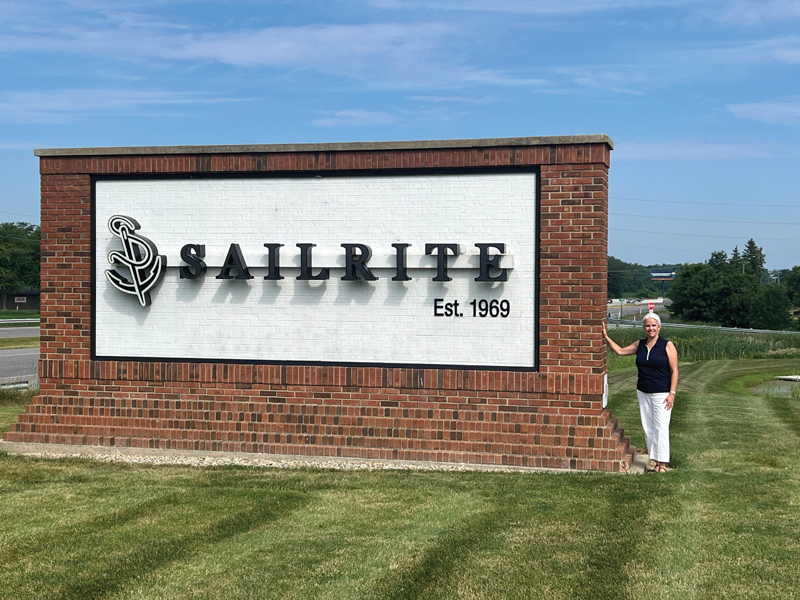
(660,468)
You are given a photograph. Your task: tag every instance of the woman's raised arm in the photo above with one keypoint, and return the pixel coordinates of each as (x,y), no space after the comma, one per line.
(618,350)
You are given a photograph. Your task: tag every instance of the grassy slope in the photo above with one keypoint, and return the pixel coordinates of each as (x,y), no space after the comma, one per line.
(8,415)
(13,343)
(725,523)
(19,314)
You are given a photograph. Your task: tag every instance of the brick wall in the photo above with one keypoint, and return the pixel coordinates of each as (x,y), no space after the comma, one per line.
(552,417)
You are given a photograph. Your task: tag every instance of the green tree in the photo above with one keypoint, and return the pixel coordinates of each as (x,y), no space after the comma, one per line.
(730,292)
(620,277)
(733,296)
(791,279)
(19,258)
(624,278)
(693,292)
(770,308)
(719,260)
(702,293)
(754,260)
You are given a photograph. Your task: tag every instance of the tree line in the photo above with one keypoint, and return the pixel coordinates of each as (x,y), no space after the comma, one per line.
(19,258)
(632,279)
(733,291)
(737,291)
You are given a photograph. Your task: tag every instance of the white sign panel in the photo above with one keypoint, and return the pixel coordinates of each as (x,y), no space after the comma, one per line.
(428,270)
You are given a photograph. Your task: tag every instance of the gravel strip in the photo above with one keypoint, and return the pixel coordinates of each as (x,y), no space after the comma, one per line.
(246,461)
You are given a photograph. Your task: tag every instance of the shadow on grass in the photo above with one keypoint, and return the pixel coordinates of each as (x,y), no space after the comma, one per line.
(148,550)
(611,539)
(787,410)
(424,572)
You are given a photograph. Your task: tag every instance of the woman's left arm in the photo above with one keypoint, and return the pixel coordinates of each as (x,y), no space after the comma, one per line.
(672,356)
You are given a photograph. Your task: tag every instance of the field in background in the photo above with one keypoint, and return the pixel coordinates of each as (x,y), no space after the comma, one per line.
(723,524)
(708,344)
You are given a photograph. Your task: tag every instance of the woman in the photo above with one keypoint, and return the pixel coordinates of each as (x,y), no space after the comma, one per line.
(657,362)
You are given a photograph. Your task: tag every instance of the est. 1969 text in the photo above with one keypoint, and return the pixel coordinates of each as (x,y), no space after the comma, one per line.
(475,308)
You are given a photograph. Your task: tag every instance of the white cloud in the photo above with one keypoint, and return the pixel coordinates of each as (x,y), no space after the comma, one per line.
(384,55)
(785,49)
(13,12)
(409,118)
(28,146)
(682,65)
(740,13)
(388,55)
(340,48)
(380,55)
(496,77)
(542,7)
(58,106)
(462,99)
(355,117)
(622,79)
(686,150)
(785,111)
(748,13)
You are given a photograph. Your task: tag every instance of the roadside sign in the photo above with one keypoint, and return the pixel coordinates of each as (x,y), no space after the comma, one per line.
(662,275)
(651,306)
(19,299)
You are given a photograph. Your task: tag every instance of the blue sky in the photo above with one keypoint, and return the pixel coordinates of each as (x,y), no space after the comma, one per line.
(702,98)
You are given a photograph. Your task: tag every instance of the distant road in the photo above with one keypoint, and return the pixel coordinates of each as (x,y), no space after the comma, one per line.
(19,364)
(15,332)
(627,309)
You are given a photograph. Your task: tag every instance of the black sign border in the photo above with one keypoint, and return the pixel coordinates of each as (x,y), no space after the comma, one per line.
(315,174)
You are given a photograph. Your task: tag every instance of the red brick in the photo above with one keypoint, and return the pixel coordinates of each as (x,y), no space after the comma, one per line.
(477,416)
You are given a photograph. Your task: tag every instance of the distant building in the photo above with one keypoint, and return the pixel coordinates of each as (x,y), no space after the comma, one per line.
(24,300)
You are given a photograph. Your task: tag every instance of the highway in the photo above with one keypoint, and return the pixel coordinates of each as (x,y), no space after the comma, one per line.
(627,309)
(18,332)
(18,365)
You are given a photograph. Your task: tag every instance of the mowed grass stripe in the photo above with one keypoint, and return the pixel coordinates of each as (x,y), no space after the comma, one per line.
(333,549)
(431,569)
(751,487)
(725,523)
(787,413)
(122,545)
(734,476)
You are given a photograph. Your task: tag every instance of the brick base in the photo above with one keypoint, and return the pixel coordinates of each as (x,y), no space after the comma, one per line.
(225,410)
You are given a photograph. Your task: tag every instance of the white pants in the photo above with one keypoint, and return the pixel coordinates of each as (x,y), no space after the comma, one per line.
(655,422)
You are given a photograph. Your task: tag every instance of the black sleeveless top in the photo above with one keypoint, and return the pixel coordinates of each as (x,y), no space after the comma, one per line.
(654,373)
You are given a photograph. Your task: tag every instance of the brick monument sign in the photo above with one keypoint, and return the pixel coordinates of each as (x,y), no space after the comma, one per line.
(416,301)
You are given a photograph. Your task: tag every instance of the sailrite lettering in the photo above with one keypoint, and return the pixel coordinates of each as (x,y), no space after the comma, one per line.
(356,262)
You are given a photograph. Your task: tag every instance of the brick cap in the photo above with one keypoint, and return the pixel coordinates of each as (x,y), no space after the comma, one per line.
(559,140)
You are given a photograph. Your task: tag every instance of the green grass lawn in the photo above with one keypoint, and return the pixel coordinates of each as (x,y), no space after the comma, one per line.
(6,315)
(724,524)
(25,342)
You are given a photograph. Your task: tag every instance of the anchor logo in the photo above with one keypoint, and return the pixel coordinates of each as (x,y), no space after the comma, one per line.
(141,257)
